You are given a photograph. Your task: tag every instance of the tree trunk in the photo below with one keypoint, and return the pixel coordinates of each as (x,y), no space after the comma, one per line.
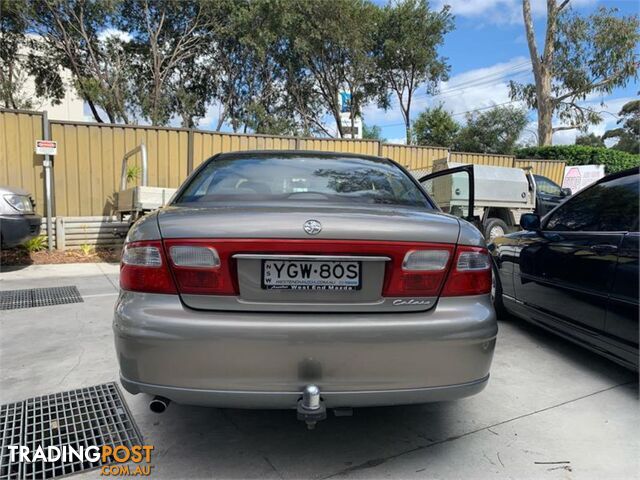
(94,111)
(406,113)
(407,127)
(336,115)
(542,66)
(545,109)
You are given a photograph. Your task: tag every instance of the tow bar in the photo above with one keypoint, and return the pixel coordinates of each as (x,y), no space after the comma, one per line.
(311,408)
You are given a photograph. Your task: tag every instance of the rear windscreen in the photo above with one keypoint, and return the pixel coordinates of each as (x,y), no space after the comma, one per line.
(301,179)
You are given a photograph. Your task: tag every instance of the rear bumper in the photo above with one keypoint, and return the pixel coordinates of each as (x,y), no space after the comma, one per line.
(264,360)
(258,399)
(17,229)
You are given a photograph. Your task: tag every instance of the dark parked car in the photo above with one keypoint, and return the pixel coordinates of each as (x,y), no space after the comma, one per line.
(18,222)
(575,271)
(548,194)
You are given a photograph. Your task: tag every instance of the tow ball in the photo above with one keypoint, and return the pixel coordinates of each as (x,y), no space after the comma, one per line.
(311,408)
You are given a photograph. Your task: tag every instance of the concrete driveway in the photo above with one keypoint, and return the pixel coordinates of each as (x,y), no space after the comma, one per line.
(551,410)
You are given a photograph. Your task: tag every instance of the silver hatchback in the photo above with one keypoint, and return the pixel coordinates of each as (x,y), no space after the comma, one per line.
(277,275)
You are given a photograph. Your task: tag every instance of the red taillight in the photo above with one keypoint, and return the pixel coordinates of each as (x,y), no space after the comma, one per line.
(207,266)
(200,268)
(144,268)
(419,272)
(470,273)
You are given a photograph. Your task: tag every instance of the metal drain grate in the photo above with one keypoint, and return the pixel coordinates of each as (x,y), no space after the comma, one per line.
(39,297)
(89,416)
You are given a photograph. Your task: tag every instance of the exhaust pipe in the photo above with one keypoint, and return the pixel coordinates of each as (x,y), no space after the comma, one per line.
(159,404)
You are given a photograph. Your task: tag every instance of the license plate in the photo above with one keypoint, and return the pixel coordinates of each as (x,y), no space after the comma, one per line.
(310,275)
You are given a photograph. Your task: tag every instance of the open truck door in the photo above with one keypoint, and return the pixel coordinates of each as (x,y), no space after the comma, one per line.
(453,190)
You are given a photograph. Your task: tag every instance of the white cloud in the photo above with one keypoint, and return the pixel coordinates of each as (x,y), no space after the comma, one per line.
(210,119)
(114,32)
(500,11)
(398,141)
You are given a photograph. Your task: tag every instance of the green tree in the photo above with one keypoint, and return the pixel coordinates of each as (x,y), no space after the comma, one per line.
(492,131)
(589,140)
(628,134)
(17,63)
(330,44)
(69,37)
(12,38)
(435,127)
(581,55)
(259,26)
(409,36)
(373,132)
(167,35)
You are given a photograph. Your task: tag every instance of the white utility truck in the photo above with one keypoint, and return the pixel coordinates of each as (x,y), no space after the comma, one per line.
(136,201)
(501,195)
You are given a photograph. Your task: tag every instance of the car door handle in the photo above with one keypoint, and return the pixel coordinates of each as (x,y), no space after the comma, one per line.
(603,248)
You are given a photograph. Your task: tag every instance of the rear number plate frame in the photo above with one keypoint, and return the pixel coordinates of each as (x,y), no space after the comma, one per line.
(311,275)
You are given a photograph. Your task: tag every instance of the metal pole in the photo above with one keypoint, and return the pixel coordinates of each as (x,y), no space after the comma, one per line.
(145,172)
(47,181)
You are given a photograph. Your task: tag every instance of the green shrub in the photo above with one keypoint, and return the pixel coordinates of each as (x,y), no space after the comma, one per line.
(133,173)
(35,244)
(613,160)
(86,249)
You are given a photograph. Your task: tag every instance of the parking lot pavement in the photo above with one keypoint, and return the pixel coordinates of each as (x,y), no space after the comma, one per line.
(551,409)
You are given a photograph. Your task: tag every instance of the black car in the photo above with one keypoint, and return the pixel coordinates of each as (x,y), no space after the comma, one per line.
(575,271)
(548,194)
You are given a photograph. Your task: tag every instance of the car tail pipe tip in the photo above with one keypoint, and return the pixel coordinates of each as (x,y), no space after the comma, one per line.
(159,404)
(311,408)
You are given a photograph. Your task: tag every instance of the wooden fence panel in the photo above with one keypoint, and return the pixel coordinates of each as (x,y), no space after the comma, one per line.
(412,157)
(207,144)
(88,165)
(483,159)
(553,169)
(364,147)
(19,165)
(86,171)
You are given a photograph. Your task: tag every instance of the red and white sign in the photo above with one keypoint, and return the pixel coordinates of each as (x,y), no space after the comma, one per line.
(578,177)
(46,147)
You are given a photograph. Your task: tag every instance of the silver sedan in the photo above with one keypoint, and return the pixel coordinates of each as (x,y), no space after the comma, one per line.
(303,280)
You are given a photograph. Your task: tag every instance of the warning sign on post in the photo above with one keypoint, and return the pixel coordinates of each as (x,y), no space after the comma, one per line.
(46,147)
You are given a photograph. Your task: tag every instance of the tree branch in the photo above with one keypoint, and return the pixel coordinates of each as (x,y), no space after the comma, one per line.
(588,88)
(531,36)
(569,127)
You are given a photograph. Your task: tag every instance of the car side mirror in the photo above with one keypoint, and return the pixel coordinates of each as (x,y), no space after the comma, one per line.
(530,221)
(566,192)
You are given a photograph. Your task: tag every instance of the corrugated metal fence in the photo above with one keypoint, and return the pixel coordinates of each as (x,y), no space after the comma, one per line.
(86,172)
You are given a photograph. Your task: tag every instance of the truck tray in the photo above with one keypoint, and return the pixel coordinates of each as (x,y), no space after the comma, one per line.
(137,199)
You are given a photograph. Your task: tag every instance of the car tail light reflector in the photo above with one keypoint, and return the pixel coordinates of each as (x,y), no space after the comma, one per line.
(142,256)
(201,269)
(194,256)
(470,273)
(420,273)
(426,260)
(144,269)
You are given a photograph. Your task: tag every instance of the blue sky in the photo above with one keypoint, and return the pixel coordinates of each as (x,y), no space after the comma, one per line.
(486,50)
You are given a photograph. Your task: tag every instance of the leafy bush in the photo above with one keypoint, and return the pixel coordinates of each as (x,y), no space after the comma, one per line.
(613,160)
(35,244)
(133,173)
(86,249)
